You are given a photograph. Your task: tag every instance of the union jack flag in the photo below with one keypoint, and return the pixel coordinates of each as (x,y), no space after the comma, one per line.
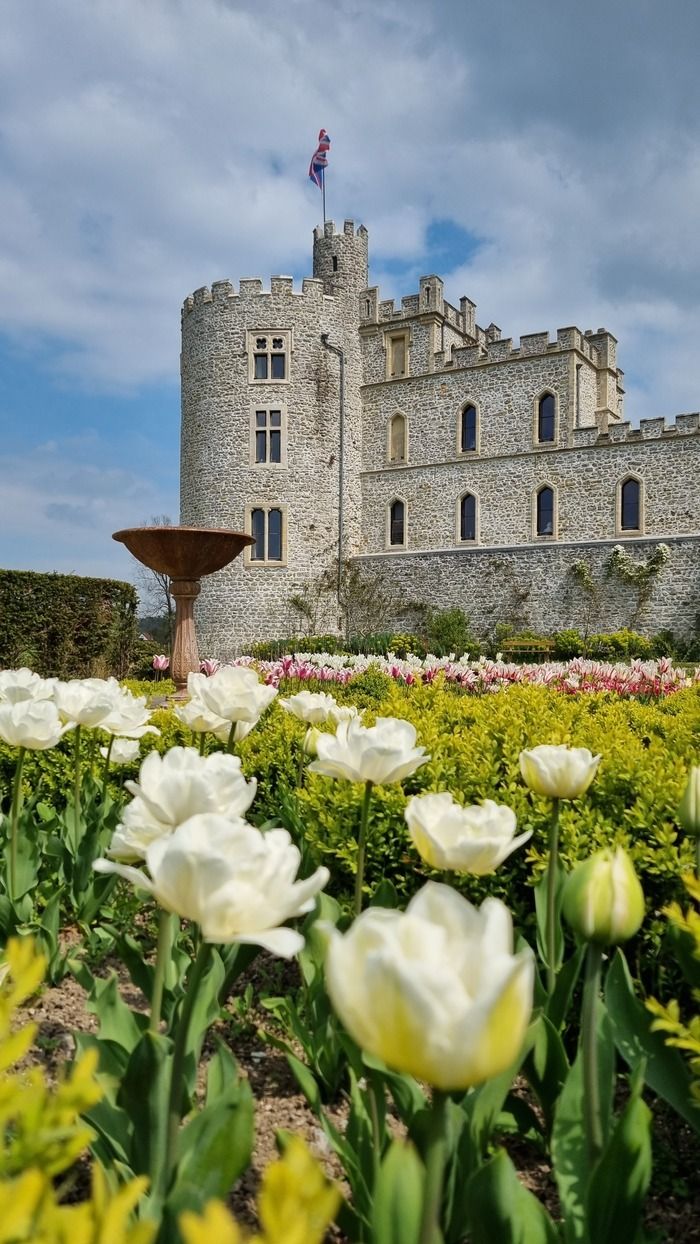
(319,159)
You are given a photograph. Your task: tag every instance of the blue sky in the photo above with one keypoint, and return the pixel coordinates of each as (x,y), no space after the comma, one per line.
(543,159)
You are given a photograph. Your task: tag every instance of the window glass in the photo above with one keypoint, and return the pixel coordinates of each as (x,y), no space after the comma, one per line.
(260,418)
(277,362)
(545,512)
(630,498)
(467,518)
(468,432)
(274,536)
(275,446)
(257,531)
(275,418)
(545,418)
(261,367)
(396,523)
(260,447)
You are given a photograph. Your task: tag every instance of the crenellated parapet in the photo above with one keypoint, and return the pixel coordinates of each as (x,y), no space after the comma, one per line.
(250,289)
(624,433)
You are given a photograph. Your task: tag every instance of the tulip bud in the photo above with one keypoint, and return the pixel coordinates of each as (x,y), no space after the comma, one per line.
(603,900)
(310,740)
(689,810)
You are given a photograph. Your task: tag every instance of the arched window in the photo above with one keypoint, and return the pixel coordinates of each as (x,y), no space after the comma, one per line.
(467,430)
(545,417)
(545,512)
(397,439)
(467,517)
(397,523)
(630,506)
(267,530)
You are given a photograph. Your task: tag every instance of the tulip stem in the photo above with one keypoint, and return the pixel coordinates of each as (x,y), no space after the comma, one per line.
(435,1156)
(589,1040)
(202,742)
(552,873)
(14,821)
(105,775)
(697,856)
(361,847)
(179,1052)
(231,738)
(76,782)
(163,951)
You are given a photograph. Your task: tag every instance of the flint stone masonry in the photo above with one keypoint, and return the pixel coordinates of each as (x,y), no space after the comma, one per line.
(452,361)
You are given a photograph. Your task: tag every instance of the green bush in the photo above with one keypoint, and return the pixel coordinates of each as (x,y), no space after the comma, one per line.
(449,630)
(619,645)
(568,644)
(66,626)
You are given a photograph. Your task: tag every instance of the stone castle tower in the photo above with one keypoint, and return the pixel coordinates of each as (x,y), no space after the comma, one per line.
(269,445)
(451,464)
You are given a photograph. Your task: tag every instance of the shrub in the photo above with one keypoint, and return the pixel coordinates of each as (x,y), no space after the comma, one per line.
(66,626)
(568,644)
(449,630)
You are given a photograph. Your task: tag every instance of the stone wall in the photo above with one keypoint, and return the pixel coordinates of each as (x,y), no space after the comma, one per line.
(534,587)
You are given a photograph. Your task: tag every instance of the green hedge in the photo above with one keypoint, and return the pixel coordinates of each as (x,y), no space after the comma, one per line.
(66,626)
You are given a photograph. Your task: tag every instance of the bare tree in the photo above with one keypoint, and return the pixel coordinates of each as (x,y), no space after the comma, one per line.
(154,587)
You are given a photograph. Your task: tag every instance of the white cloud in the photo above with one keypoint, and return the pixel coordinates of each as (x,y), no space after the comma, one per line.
(152,146)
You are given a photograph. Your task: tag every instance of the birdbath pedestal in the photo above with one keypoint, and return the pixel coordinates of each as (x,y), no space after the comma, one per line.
(185,555)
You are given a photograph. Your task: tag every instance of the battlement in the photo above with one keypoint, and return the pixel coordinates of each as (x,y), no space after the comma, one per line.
(492,348)
(251,288)
(328,230)
(648,430)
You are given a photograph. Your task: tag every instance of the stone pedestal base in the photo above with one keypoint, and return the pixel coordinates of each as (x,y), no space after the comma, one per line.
(185,651)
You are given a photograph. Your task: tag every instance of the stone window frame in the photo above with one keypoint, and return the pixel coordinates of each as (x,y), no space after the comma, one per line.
(251,338)
(547,391)
(545,483)
(627,532)
(396,548)
(477,518)
(398,414)
(396,335)
(264,563)
(469,453)
(255,407)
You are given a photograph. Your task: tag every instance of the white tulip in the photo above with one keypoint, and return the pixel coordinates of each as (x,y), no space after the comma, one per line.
(234,693)
(172,789)
(34,724)
(344,712)
(123,751)
(199,719)
(313,707)
(128,717)
(24,684)
(467,840)
(235,881)
(558,771)
(86,701)
(385,752)
(434,991)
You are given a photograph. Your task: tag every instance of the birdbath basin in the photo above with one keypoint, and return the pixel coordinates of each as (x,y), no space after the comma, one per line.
(185,555)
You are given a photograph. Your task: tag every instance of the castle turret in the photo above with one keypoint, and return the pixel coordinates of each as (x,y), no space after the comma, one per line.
(267,445)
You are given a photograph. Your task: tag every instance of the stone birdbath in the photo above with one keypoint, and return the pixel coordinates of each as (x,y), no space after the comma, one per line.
(184,554)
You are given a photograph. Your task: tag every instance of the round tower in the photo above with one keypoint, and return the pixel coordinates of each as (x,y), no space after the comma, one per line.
(267,445)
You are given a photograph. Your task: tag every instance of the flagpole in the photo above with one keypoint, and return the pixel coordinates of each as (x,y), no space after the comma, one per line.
(323,192)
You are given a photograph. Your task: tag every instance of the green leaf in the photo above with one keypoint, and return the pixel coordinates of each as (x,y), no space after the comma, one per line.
(117,1022)
(144,1097)
(483,1105)
(502,1211)
(113,1127)
(398,1196)
(546,1066)
(666,1072)
(216,1146)
(541,911)
(620,1181)
(685,949)
(558,1005)
(306,1081)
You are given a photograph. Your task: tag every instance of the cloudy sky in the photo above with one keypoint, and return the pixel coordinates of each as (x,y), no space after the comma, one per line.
(542,156)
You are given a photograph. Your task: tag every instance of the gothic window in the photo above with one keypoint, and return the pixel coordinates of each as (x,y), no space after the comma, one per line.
(630,505)
(397,439)
(397,523)
(397,355)
(468,429)
(267,436)
(545,512)
(267,530)
(467,517)
(269,356)
(546,418)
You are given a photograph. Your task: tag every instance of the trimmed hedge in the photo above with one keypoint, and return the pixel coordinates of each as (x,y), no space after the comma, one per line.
(66,626)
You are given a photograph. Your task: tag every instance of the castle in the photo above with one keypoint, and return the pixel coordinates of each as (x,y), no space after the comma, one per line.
(429,453)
